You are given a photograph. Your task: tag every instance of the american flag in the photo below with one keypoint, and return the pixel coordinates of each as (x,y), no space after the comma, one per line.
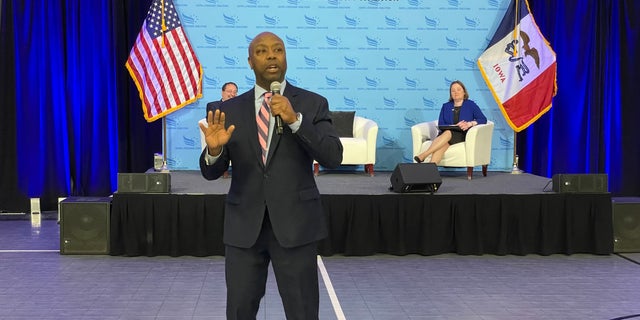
(162,63)
(519,67)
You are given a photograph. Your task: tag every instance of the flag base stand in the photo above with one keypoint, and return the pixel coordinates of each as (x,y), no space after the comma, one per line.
(515,169)
(164,167)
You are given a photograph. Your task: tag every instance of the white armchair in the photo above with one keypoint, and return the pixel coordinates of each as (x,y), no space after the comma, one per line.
(475,151)
(361,149)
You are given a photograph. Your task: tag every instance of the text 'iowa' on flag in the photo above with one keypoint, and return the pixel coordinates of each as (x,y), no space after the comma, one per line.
(519,67)
(163,64)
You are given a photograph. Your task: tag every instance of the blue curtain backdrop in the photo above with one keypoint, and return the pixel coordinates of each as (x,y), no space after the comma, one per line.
(71,113)
(72,118)
(65,85)
(591,126)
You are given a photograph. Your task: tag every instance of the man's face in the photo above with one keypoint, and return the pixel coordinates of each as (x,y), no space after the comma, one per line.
(229,92)
(267,59)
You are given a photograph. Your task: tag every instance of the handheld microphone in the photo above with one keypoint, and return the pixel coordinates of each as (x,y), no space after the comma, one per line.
(275,89)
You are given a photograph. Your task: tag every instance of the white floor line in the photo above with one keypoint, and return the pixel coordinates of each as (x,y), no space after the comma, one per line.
(27,251)
(332,294)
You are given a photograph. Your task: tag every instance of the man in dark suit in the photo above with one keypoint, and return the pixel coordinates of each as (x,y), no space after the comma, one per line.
(273,211)
(229,90)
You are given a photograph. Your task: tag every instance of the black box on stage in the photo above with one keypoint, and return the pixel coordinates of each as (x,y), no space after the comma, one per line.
(415,177)
(579,183)
(626,224)
(144,182)
(84,225)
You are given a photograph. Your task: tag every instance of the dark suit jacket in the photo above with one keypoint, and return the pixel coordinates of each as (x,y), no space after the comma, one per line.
(286,185)
(212,106)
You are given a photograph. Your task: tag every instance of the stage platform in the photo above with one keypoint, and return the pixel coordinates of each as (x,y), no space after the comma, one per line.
(500,214)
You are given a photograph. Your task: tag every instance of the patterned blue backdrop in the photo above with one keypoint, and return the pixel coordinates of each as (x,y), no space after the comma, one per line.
(390,61)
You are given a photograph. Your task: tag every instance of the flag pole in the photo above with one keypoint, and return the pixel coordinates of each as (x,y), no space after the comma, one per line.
(164,145)
(150,45)
(515,169)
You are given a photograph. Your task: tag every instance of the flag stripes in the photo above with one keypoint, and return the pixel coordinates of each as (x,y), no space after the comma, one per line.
(262,120)
(163,64)
(519,67)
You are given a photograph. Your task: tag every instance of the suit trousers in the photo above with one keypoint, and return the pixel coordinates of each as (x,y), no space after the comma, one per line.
(295,269)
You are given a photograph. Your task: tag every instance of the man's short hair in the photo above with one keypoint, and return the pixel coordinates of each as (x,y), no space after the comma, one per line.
(224,86)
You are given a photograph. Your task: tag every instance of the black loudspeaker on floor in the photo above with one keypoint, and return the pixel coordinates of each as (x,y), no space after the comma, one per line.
(84,225)
(415,177)
(626,225)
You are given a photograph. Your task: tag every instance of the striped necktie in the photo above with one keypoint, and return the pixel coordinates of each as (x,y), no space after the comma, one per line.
(262,119)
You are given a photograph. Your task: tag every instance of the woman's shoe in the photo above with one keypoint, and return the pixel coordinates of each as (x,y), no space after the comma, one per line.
(417,159)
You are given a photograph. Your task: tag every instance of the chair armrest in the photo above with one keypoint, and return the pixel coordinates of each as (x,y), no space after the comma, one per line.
(364,128)
(203,143)
(367,129)
(478,143)
(422,132)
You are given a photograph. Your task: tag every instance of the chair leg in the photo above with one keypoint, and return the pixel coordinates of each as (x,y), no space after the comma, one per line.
(469,172)
(368,168)
(316,169)
(484,170)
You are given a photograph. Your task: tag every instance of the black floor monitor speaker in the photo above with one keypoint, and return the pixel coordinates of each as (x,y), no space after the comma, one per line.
(150,182)
(415,177)
(579,182)
(626,224)
(84,225)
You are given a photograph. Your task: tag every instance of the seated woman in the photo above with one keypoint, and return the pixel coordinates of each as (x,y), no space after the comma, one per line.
(459,111)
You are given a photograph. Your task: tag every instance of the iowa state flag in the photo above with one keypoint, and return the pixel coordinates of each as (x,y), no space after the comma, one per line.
(519,67)
(162,63)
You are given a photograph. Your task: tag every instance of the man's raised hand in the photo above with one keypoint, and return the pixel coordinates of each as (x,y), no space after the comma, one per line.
(215,133)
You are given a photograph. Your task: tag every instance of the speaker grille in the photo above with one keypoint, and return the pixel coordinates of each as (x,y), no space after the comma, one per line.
(626,225)
(84,225)
(144,183)
(579,183)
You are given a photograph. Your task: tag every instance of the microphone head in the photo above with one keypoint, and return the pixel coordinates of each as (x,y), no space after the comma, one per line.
(275,86)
